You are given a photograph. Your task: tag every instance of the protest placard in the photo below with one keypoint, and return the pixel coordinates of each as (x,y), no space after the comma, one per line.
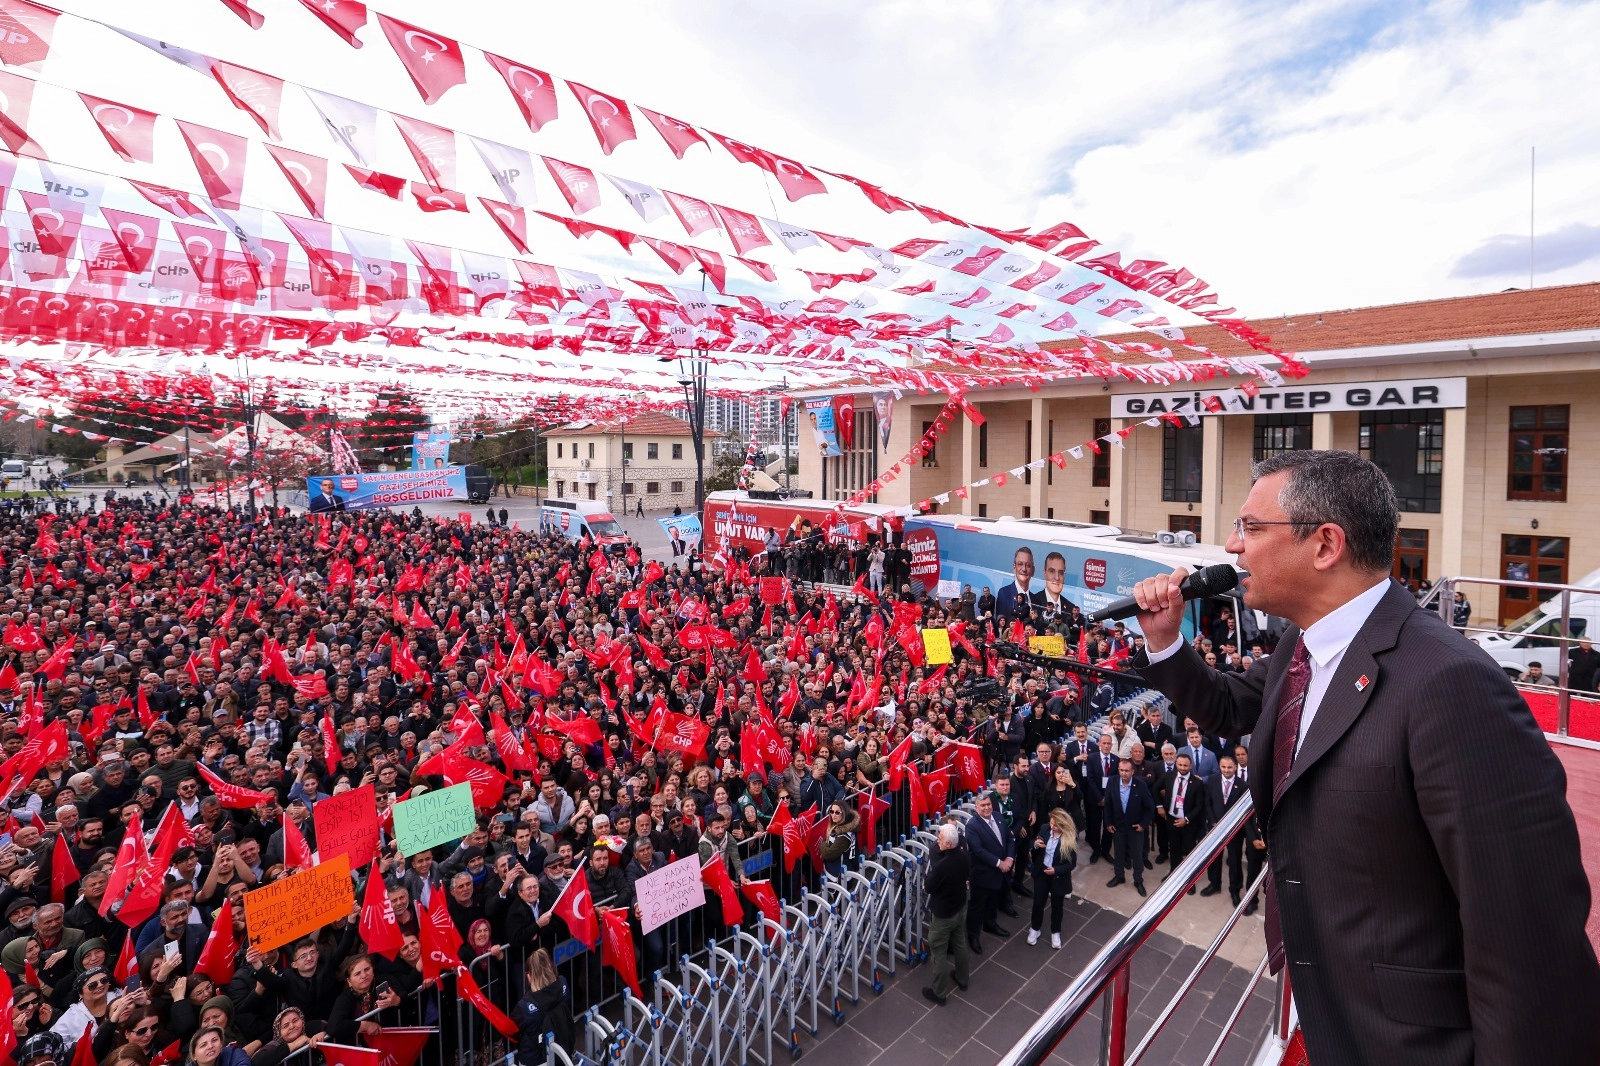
(936,643)
(1049,644)
(664,894)
(433,818)
(949,590)
(347,824)
(284,911)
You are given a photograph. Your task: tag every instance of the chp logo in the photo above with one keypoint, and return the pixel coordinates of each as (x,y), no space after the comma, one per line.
(1094,573)
(349,484)
(566,520)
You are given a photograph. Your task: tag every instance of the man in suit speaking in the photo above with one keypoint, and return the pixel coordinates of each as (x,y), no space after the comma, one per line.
(1428,900)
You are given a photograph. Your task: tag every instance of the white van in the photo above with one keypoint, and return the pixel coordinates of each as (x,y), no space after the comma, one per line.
(1534,638)
(14,469)
(575,519)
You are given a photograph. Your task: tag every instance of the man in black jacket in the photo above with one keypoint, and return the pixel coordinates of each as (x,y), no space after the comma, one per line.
(1129,810)
(1223,792)
(946,886)
(1396,893)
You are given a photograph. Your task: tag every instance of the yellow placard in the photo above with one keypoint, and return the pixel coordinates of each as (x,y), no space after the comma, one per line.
(936,643)
(1050,644)
(286,910)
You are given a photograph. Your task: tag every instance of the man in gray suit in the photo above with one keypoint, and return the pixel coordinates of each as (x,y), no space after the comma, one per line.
(1404,893)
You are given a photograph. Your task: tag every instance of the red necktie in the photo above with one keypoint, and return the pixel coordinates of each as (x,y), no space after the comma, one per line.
(1291,699)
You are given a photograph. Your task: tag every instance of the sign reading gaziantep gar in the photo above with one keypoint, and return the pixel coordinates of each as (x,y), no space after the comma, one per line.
(1410,394)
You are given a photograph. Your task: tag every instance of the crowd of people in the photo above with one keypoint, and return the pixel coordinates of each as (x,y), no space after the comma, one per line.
(183,686)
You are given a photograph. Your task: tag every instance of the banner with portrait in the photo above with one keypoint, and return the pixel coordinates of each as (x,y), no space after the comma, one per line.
(397,488)
(819,412)
(883,407)
(430,450)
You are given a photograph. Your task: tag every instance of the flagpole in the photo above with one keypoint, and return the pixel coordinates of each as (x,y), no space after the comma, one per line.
(563,893)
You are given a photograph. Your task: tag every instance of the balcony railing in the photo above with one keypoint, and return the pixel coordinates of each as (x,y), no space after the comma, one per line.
(1107,977)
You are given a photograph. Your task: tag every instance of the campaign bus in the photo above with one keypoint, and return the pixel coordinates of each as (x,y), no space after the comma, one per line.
(1087,565)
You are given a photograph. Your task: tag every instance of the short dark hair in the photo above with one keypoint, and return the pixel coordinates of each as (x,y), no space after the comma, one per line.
(1342,489)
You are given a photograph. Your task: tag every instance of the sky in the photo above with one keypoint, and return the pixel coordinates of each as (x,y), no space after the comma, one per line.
(1299,156)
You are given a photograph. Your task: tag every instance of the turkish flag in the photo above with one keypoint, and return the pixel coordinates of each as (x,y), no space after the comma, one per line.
(513,222)
(766,900)
(232,796)
(533,90)
(171,201)
(219,158)
(127,967)
(145,895)
(379,929)
(343,17)
(222,947)
(330,741)
(577,184)
(897,763)
(465,725)
(609,116)
(130,855)
(715,874)
(307,174)
(680,136)
(796,180)
(473,994)
(387,184)
(56,229)
(616,950)
(400,1046)
(844,419)
(919,798)
(871,808)
(576,908)
(434,62)
(63,871)
(129,130)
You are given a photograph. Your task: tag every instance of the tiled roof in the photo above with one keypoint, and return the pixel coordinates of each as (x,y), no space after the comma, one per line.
(649,424)
(1517,311)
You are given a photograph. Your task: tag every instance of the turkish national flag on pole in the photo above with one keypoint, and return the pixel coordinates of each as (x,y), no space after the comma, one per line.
(715,874)
(871,808)
(127,963)
(8,1032)
(379,930)
(576,907)
(435,63)
(83,1054)
(400,1046)
(330,744)
(63,871)
(129,856)
(222,947)
(617,949)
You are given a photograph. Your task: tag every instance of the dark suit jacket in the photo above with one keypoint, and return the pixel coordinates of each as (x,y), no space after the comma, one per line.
(1005,604)
(1141,808)
(1194,799)
(1404,862)
(1093,777)
(1215,807)
(987,852)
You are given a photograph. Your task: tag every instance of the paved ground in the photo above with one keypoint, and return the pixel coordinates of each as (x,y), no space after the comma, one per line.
(1012,983)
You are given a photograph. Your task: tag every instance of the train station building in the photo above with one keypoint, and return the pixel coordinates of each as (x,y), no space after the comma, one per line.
(1483,410)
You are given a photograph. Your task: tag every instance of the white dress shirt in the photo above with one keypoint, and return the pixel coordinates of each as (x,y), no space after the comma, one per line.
(1326,639)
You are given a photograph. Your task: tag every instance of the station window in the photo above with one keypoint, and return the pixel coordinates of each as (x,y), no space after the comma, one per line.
(1181,451)
(930,458)
(1183,523)
(983,444)
(651,488)
(677,486)
(1538,466)
(1408,446)
(652,450)
(677,451)
(1282,433)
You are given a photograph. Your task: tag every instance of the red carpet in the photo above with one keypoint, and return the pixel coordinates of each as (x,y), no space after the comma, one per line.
(1584,719)
(1583,793)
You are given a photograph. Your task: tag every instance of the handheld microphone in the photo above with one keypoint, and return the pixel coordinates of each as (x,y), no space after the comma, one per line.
(1212,581)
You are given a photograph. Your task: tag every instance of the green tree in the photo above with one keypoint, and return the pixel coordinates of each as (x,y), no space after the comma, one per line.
(724,473)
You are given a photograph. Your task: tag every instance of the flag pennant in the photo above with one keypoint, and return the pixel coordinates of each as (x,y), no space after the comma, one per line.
(25,32)
(577,184)
(256,94)
(680,136)
(533,90)
(343,17)
(219,158)
(308,174)
(608,115)
(433,147)
(434,62)
(130,131)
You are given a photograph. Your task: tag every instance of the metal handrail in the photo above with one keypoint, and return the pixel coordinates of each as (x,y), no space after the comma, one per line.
(1110,967)
(1443,595)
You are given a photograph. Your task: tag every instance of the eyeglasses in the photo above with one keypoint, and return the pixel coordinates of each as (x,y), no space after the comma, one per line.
(96,986)
(143,1029)
(1242,528)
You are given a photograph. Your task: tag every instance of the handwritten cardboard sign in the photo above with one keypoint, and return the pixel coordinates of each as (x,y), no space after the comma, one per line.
(286,910)
(670,891)
(1052,644)
(347,824)
(936,643)
(433,818)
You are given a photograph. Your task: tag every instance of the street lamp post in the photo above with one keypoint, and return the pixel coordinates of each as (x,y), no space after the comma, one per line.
(250,441)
